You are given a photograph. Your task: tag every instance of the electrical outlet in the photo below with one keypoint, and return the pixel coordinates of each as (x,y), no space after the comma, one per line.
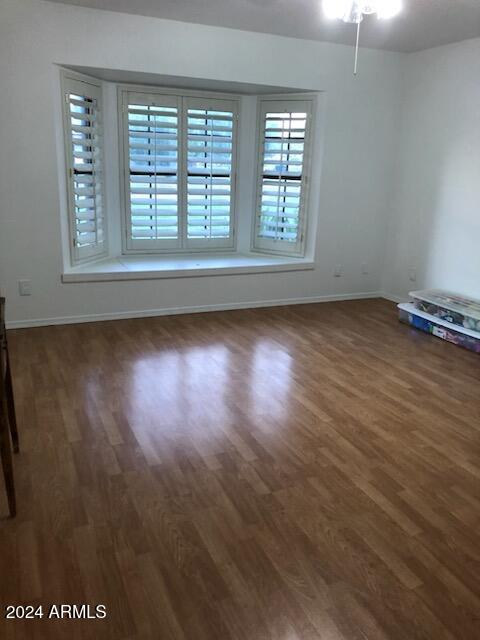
(412,274)
(25,287)
(364,268)
(338,270)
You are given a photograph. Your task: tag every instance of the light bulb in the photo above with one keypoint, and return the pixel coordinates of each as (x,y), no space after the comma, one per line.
(336,9)
(331,9)
(367,7)
(388,8)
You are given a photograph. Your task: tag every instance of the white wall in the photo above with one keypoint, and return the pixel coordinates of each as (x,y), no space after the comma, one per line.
(360,138)
(435,226)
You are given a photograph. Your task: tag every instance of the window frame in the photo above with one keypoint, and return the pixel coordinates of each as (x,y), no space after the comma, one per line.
(284,102)
(183,245)
(71,82)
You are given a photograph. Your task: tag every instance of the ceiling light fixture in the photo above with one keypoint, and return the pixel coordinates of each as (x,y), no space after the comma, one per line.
(352,11)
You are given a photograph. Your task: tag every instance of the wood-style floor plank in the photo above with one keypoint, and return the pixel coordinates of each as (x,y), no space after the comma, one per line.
(307,472)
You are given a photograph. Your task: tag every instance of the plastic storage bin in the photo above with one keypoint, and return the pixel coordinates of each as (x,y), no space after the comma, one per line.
(458,335)
(453,308)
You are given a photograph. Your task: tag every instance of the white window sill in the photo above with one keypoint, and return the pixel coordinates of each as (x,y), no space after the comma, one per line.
(148,267)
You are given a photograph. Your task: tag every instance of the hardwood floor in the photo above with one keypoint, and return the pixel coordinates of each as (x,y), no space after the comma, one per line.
(308,472)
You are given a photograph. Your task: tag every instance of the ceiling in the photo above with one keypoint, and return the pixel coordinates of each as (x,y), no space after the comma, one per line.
(421,25)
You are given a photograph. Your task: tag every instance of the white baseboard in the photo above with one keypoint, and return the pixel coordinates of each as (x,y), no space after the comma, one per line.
(150,313)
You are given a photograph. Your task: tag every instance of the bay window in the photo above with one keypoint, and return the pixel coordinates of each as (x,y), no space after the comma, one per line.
(174,179)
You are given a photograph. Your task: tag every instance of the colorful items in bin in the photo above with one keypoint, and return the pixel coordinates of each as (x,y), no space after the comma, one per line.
(453,308)
(418,319)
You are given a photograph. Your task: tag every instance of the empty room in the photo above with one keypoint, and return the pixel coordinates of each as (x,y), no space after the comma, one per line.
(240,319)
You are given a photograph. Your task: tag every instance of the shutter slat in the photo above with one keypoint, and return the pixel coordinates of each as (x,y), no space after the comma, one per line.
(83,142)
(152,190)
(204,172)
(285,182)
(153,147)
(286,174)
(215,180)
(152,124)
(209,149)
(152,111)
(202,137)
(156,232)
(159,203)
(152,135)
(84,102)
(89,215)
(161,179)
(194,115)
(207,222)
(147,215)
(201,191)
(82,129)
(91,118)
(195,206)
(164,223)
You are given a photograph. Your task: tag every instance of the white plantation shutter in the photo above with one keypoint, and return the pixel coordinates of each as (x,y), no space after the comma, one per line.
(210,171)
(283,161)
(84,151)
(152,171)
(179,171)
